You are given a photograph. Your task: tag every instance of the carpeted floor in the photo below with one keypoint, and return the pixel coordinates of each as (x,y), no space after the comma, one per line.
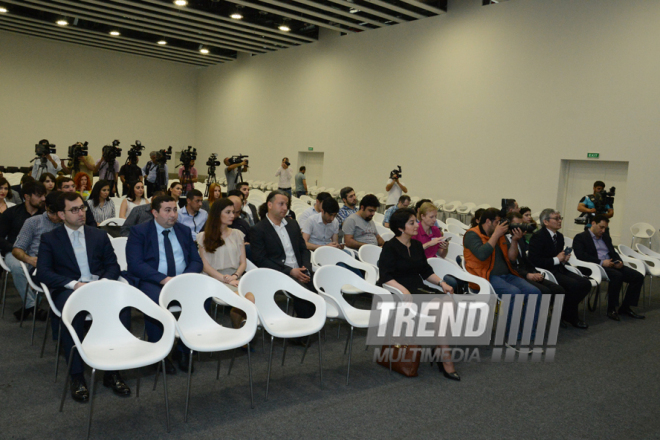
(603,385)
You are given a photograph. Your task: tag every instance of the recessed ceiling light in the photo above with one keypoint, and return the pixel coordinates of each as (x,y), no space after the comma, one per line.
(3,10)
(62,22)
(236,16)
(180,2)
(162,42)
(204,50)
(115,33)
(284,28)
(353,11)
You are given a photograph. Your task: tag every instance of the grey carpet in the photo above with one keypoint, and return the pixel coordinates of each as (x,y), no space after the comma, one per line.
(603,385)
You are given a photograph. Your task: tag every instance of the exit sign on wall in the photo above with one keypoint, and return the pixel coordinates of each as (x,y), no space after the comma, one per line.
(593,155)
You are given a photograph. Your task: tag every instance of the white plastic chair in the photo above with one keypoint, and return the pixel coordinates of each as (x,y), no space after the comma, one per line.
(307,200)
(37,290)
(109,346)
(456,230)
(378,219)
(328,256)
(330,281)
(7,270)
(382,229)
(119,245)
(476,208)
(370,254)
(568,241)
(455,238)
(441,225)
(454,250)
(651,265)
(198,331)
(449,208)
(387,236)
(456,222)
(642,230)
(116,220)
(442,267)
(264,283)
(465,209)
(440,203)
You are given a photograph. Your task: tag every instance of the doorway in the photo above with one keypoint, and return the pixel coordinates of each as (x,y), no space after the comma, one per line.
(576,179)
(313,162)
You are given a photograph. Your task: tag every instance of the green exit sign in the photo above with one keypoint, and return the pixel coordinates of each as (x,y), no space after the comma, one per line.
(310,148)
(593,155)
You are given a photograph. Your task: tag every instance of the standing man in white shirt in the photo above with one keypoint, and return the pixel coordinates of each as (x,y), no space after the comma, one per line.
(285,175)
(395,188)
(46,163)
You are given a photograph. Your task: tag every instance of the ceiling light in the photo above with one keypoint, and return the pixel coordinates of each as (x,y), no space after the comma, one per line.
(284,28)
(204,50)
(180,2)
(3,10)
(162,42)
(353,11)
(236,15)
(115,33)
(62,21)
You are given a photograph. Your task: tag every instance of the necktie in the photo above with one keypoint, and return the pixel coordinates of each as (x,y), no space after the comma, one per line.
(81,257)
(169,255)
(554,240)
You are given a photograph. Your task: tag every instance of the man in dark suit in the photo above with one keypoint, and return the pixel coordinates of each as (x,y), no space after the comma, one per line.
(248,208)
(70,257)
(277,243)
(157,251)
(546,250)
(594,246)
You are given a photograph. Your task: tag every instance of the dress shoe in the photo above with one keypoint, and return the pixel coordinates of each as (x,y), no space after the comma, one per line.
(42,315)
(114,381)
(26,314)
(79,391)
(450,376)
(184,359)
(579,324)
(169,368)
(629,312)
(613,315)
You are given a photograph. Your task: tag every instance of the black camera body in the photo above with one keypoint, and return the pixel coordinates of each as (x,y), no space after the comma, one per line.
(77,150)
(240,158)
(162,156)
(135,151)
(213,161)
(43,150)
(187,156)
(396,173)
(524,227)
(111,152)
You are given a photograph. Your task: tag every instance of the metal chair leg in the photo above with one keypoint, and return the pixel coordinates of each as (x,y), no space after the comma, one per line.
(43,343)
(91,403)
(320,362)
(231,363)
(158,374)
(34,318)
(57,350)
(270,361)
(250,376)
(68,376)
(348,336)
(338,329)
(284,352)
(4,295)
(185,417)
(167,403)
(217,373)
(350,351)
(137,386)
(27,288)
(306,348)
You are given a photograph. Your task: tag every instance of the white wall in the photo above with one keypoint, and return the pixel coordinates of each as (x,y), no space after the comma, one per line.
(478,104)
(67,93)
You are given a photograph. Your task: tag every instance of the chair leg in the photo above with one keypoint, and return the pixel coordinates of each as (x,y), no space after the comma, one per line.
(338,329)
(350,351)
(270,361)
(57,350)
(34,318)
(185,417)
(217,373)
(231,363)
(263,340)
(167,403)
(4,295)
(284,352)
(137,386)
(91,403)
(27,289)
(68,376)
(43,343)
(250,377)
(320,362)
(158,374)
(348,336)
(306,348)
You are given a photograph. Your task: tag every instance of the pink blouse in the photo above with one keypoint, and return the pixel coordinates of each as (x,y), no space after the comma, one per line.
(422,236)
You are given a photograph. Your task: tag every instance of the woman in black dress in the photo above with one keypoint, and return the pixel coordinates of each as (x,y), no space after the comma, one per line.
(403,265)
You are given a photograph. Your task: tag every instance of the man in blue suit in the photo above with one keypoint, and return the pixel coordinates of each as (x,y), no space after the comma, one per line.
(70,257)
(157,251)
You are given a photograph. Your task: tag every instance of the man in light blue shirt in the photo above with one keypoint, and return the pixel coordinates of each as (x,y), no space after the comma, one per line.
(404,202)
(192,215)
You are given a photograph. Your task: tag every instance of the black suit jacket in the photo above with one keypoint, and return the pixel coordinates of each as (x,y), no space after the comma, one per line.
(57,265)
(89,216)
(542,249)
(255,214)
(267,248)
(585,249)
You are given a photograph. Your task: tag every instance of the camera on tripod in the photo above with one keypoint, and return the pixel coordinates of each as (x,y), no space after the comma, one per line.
(77,150)
(396,173)
(111,152)
(43,150)
(135,151)
(213,161)
(238,159)
(188,156)
(162,156)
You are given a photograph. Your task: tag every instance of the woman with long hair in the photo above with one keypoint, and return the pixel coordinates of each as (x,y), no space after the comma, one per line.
(5,193)
(215,193)
(99,201)
(134,198)
(49,182)
(176,189)
(223,251)
(83,184)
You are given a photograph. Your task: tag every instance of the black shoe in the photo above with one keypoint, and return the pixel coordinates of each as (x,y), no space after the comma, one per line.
(26,314)
(579,324)
(79,391)
(613,315)
(169,368)
(114,381)
(184,359)
(450,376)
(629,312)
(42,315)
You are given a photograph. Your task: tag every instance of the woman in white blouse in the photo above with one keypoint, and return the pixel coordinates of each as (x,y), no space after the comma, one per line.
(5,193)
(223,251)
(134,198)
(99,201)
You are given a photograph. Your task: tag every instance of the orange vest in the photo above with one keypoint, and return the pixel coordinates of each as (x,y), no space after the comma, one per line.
(483,268)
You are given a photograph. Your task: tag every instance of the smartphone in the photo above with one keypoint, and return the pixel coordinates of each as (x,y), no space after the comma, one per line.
(568,250)
(616,261)
(445,239)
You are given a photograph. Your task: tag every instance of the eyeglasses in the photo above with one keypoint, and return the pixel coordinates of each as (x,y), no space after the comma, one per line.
(77,209)
(556,218)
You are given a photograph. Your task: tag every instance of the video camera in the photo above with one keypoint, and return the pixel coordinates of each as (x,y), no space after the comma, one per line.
(43,150)
(238,159)
(135,151)
(76,150)
(396,173)
(600,200)
(187,156)
(213,161)
(111,152)
(162,156)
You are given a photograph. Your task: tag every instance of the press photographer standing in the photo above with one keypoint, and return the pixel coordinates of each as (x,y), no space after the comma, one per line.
(596,203)
(130,172)
(150,172)
(46,161)
(108,167)
(234,171)
(285,175)
(395,188)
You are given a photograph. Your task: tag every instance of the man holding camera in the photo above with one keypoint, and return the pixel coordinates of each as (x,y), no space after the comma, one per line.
(150,171)
(234,172)
(595,247)
(108,169)
(395,188)
(188,177)
(285,175)
(45,162)
(129,172)
(595,203)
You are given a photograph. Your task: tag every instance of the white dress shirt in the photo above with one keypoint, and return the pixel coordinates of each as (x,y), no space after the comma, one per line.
(552,236)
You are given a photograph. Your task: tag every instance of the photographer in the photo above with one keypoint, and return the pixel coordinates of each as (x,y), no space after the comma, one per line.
(234,171)
(285,175)
(46,161)
(596,203)
(85,162)
(395,188)
(129,173)
(150,172)
(108,167)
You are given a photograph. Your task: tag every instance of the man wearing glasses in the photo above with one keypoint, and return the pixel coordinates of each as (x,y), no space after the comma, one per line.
(547,251)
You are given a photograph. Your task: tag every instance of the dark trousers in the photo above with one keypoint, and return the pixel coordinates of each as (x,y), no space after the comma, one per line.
(153,327)
(548,287)
(305,309)
(78,324)
(151,188)
(576,288)
(617,277)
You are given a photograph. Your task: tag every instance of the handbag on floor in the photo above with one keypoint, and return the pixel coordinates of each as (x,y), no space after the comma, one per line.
(404,360)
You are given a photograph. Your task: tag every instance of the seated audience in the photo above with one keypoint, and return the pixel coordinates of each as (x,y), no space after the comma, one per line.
(404,202)
(83,184)
(69,258)
(26,249)
(320,197)
(134,198)
(175,191)
(215,193)
(223,252)
(488,255)
(360,229)
(594,246)
(156,252)
(5,195)
(99,201)
(16,190)
(191,215)
(546,250)
(66,185)
(322,228)
(48,180)
(403,265)
(139,214)
(528,219)
(350,204)
(248,208)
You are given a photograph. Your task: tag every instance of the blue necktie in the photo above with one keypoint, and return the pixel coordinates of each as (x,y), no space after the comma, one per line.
(169,255)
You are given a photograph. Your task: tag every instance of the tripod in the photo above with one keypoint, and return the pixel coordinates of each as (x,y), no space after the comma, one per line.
(186,179)
(43,166)
(210,180)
